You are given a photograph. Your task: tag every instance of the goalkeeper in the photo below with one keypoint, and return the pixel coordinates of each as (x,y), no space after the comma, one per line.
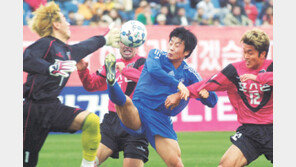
(49,62)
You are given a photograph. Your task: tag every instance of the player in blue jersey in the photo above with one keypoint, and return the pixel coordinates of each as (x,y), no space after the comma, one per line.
(164,73)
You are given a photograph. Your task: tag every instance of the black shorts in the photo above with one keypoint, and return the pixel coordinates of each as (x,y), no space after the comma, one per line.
(39,118)
(117,139)
(254,140)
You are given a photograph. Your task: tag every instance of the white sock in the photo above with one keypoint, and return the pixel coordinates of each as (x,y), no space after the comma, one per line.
(96,162)
(86,163)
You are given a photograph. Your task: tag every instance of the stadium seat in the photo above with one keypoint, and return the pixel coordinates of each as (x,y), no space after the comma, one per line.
(190,12)
(69,6)
(86,22)
(26,7)
(80,1)
(24,19)
(259,6)
(216,3)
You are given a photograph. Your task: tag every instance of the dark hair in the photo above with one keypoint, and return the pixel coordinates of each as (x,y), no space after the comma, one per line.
(190,41)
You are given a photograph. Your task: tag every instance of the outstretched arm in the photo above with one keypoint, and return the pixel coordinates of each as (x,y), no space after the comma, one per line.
(91,82)
(84,48)
(209,101)
(218,82)
(207,98)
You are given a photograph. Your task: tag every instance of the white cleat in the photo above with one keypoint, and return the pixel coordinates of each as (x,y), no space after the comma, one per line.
(86,163)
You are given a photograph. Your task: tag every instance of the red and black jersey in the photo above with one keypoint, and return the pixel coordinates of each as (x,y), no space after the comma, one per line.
(37,58)
(252,100)
(127,79)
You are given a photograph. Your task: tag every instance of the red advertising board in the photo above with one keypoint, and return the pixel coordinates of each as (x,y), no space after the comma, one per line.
(217,47)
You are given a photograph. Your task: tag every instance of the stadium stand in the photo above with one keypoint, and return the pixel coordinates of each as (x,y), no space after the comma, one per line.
(102,12)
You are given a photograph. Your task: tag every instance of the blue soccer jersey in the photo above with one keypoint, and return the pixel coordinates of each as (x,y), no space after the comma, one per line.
(160,79)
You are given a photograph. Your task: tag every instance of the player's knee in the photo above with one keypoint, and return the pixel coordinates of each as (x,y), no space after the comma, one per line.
(226,162)
(223,163)
(174,162)
(132,162)
(179,164)
(91,123)
(128,101)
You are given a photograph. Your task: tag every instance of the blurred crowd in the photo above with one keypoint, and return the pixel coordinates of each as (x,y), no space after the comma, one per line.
(161,12)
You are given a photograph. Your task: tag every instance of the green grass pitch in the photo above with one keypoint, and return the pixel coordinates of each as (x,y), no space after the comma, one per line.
(199,149)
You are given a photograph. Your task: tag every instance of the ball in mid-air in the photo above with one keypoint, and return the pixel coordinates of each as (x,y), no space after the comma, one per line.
(133,33)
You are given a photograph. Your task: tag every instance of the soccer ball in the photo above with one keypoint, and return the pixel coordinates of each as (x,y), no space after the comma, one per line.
(133,33)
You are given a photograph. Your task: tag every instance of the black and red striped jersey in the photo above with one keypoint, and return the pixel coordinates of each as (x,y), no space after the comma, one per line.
(252,100)
(37,58)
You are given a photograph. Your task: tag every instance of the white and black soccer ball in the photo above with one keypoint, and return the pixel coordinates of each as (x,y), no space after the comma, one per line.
(133,33)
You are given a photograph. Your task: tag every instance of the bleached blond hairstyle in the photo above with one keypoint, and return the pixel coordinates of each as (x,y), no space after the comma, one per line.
(257,38)
(44,16)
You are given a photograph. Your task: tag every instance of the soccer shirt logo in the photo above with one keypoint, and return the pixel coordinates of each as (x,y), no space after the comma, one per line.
(254,91)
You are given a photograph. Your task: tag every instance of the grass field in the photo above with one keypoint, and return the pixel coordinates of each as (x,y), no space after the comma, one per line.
(202,149)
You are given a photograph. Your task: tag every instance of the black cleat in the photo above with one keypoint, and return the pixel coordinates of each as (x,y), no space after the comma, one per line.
(110,62)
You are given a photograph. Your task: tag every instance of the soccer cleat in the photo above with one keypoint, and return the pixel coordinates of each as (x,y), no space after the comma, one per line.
(110,62)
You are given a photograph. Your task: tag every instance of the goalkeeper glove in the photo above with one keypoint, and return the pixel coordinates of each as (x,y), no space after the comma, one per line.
(113,36)
(62,68)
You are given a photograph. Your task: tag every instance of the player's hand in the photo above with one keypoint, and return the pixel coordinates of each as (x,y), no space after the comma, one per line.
(245,77)
(120,66)
(81,65)
(62,68)
(113,36)
(204,94)
(183,90)
(172,101)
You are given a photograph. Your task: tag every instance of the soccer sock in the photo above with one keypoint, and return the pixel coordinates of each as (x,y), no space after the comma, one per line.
(91,136)
(116,95)
(97,162)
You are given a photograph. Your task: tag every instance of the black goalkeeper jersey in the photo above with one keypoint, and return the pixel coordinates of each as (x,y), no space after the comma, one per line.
(37,58)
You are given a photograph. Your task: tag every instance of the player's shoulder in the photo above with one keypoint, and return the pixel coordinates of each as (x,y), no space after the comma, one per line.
(157,53)
(137,57)
(190,70)
(236,64)
(231,69)
(41,43)
(187,67)
(45,40)
(139,61)
(268,62)
(268,65)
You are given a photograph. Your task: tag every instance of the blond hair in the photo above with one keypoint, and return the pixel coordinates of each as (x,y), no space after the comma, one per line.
(257,38)
(43,19)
